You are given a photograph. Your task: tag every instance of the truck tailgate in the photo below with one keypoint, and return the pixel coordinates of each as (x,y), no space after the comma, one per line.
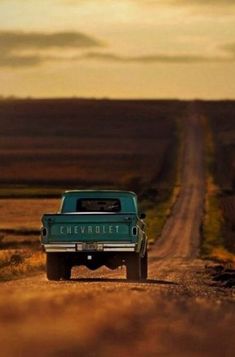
(89,227)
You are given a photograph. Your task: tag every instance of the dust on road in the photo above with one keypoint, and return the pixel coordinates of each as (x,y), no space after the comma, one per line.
(177,312)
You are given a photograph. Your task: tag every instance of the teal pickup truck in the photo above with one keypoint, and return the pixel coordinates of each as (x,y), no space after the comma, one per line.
(95,228)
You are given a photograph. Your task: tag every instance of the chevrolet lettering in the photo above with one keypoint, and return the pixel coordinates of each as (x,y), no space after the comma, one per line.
(95,228)
(101,229)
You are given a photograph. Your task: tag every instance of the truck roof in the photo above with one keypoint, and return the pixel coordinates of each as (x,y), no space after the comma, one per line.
(128,199)
(111,192)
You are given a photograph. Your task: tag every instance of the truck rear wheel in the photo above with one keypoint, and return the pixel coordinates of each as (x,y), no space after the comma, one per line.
(144,266)
(133,267)
(53,266)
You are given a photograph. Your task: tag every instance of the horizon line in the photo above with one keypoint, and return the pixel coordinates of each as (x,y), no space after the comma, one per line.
(104,98)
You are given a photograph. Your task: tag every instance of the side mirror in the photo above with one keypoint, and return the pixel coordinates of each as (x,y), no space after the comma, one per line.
(142,216)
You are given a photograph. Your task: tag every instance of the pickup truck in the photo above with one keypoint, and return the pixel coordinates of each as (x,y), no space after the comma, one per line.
(95,228)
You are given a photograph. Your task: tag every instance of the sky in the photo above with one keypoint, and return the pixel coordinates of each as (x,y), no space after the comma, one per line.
(118,48)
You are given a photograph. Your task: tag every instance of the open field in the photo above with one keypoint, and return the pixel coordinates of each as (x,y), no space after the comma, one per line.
(221,120)
(221,116)
(74,143)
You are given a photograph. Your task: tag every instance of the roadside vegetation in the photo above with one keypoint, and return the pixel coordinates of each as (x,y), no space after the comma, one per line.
(156,215)
(158,206)
(15,263)
(213,241)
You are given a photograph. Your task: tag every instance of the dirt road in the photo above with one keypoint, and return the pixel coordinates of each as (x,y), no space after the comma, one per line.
(177,312)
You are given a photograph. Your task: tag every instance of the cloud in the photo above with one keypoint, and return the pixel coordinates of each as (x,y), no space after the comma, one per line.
(201,8)
(11,40)
(12,43)
(25,50)
(14,61)
(19,61)
(204,3)
(156,58)
(157,2)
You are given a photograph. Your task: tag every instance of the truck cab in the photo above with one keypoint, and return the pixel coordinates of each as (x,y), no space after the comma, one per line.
(95,228)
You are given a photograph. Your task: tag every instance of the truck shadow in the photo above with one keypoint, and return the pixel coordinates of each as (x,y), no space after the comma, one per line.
(125,281)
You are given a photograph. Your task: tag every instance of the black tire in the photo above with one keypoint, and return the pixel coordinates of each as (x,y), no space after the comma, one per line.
(144,266)
(133,267)
(53,266)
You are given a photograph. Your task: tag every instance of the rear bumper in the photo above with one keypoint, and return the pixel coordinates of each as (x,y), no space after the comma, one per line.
(101,247)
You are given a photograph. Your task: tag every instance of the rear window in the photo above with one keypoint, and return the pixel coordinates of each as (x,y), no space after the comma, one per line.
(98,205)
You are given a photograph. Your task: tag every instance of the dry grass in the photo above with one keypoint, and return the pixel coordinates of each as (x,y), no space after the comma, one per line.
(20,256)
(220,129)
(16,263)
(213,245)
(157,215)
(213,219)
(222,255)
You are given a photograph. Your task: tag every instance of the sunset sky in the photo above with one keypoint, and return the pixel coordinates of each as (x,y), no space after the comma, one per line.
(118,48)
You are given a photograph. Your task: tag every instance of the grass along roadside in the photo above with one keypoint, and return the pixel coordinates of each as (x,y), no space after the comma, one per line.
(17,263)
(158,214)
(212,246)
(20,255)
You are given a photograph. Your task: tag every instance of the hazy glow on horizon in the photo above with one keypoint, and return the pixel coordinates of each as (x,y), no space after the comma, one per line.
(117,49)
